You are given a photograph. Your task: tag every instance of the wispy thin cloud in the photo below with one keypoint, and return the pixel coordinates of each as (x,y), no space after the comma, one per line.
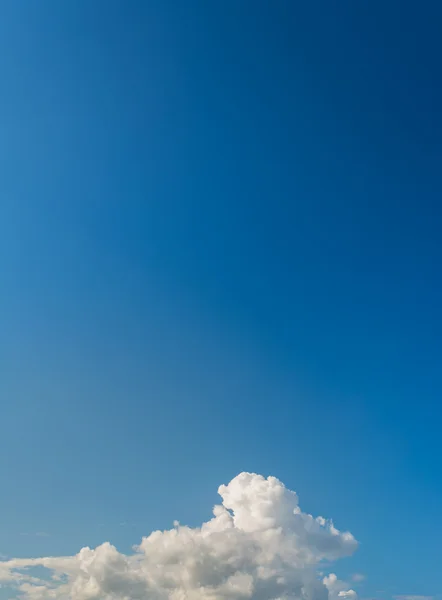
(412,597)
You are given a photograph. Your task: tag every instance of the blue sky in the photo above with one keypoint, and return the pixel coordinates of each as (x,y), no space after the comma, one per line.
(220,251)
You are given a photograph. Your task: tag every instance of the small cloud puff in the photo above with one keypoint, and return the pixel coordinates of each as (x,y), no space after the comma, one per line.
(338,589)
(259,545)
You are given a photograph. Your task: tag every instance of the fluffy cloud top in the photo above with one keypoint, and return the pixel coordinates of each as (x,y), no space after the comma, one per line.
(258,545)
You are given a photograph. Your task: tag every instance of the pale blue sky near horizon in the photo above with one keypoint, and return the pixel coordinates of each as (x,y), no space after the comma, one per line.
(220,249)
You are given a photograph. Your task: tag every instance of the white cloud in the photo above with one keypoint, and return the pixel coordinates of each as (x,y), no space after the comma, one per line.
(338,589)
(258,545)
(358,577)
(413,597)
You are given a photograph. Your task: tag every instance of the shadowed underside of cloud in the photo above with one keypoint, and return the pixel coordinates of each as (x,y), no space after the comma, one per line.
(258,545)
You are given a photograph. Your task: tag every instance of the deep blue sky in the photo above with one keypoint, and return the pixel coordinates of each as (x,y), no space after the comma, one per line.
(220,250)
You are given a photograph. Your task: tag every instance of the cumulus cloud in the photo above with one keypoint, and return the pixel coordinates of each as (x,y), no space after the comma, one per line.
(258,545)
(338,589)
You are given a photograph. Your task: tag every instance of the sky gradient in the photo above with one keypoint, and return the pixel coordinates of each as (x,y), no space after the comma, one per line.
(220,252)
